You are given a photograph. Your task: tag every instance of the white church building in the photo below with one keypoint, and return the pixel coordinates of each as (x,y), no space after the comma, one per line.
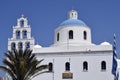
(72,56)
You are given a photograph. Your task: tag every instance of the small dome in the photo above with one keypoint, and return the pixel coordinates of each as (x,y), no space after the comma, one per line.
(73,22)
(37,46)
(105,43)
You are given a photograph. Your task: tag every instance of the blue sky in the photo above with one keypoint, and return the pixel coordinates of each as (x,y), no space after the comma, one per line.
(102,16)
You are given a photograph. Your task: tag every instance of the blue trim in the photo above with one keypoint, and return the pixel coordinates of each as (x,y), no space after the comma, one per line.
(73,22)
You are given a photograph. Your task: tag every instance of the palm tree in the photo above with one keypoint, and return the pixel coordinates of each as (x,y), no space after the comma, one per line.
(22,65)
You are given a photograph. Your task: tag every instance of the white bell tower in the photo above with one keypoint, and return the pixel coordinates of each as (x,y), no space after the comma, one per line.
(21,35)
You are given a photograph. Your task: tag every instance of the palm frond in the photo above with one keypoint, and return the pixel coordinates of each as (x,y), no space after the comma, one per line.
(9,72)
(39,74)
(9,65)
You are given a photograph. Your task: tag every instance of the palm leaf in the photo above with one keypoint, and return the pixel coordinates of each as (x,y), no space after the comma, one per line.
(9,72)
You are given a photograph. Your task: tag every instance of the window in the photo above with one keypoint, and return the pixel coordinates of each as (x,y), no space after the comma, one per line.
(13,46)
(20,45)
(27,45)
(67,66)
(72,14)
(103,65)
(24,34)
(58,36)
(85,66)
(17,34)
(70,34)
(50,67)
(85,35)
(22,23)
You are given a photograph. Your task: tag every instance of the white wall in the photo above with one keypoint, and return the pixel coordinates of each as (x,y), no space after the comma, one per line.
(76,65)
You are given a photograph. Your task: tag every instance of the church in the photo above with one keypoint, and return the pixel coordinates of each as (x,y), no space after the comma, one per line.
(72,56)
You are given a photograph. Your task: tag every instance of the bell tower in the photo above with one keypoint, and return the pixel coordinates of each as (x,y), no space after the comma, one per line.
(21,38)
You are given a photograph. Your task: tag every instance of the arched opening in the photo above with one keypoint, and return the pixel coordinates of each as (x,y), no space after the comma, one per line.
(13,46)
(50,67)
(70,34)
(22,23)
(103,65)
(58,35)
(24,34)
(20,45)
(27,45)
(72,14)
(17,34)
(85,66)
(67,66)
(85,35)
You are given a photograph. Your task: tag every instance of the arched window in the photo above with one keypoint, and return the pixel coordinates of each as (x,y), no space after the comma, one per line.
(85,35)
(24,33)
(67,66)
(50,67)
(85,66)
(13,46)
(27,45)
(20,45)
(70,34)
(22,23)
(72,14)
(17,34)
(103,65)
(58,36)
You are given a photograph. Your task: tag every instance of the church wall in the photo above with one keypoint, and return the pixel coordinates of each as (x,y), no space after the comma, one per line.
(76,66)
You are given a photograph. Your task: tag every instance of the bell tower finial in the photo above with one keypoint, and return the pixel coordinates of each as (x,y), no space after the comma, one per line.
(73,14)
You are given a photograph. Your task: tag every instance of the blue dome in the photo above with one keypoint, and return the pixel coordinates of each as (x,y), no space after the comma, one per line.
(72,22)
